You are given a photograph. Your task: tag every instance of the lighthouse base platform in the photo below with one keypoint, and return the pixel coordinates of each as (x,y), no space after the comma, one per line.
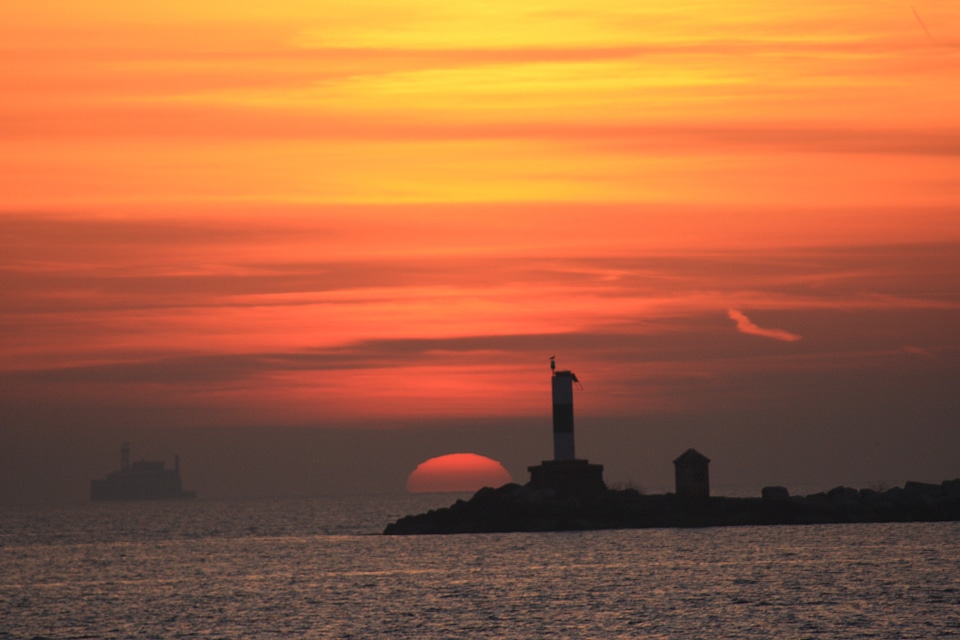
(567,476)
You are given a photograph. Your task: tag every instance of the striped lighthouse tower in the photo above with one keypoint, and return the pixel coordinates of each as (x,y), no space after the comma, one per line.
(563,447)
(565,474)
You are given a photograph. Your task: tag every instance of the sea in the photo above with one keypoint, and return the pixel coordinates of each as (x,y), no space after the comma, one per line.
(320,568)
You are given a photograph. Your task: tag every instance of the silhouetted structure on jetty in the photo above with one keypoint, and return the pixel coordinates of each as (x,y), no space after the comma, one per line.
(141,480)
(566,494)
(565,473)
(692,470)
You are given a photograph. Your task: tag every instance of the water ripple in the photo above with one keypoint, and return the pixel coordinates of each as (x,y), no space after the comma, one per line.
(206,575)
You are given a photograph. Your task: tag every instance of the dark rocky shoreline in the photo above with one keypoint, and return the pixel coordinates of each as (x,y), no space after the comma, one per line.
(514,507)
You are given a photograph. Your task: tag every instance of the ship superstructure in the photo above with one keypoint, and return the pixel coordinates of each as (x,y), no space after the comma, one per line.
(140,480)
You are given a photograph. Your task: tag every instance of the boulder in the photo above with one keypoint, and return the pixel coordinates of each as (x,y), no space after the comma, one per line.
(843,497)
(775,494)
(951,488)
(923,489)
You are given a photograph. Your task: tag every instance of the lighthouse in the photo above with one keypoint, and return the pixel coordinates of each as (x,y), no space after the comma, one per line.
(562,383)
(565,473)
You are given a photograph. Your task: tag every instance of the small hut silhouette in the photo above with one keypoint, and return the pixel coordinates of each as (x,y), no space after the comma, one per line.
(693,474)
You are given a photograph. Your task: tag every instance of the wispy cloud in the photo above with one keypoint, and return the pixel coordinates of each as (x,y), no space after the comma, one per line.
(744,325)
(922,23)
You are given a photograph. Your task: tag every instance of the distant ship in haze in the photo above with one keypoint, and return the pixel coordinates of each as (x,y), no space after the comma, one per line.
(140,480)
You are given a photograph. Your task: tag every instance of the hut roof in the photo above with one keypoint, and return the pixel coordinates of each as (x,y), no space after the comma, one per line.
(691,455)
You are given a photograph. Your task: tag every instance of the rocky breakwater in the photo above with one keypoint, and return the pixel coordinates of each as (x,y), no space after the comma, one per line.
(515,507)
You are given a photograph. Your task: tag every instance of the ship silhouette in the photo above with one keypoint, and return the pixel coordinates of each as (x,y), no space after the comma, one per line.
(140,480)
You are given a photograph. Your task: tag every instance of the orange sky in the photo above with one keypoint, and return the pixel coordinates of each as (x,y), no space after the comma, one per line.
(323,212)
(721,103)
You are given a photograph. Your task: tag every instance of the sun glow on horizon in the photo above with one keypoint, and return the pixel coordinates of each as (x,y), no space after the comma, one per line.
(457,472)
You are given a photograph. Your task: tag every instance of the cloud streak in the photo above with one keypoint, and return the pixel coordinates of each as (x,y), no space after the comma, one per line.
(744,325)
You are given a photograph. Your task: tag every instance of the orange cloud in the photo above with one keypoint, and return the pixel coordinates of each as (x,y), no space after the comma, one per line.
(744,325)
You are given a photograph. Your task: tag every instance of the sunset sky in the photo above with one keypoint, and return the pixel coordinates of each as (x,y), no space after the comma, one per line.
(365,226)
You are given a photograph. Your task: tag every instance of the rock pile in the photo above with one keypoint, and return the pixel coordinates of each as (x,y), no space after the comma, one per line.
(515,507)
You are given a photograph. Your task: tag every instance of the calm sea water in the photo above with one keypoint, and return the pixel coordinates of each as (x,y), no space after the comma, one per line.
(317,568)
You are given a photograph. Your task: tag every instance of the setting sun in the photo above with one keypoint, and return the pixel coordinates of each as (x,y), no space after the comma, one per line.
(457,472)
